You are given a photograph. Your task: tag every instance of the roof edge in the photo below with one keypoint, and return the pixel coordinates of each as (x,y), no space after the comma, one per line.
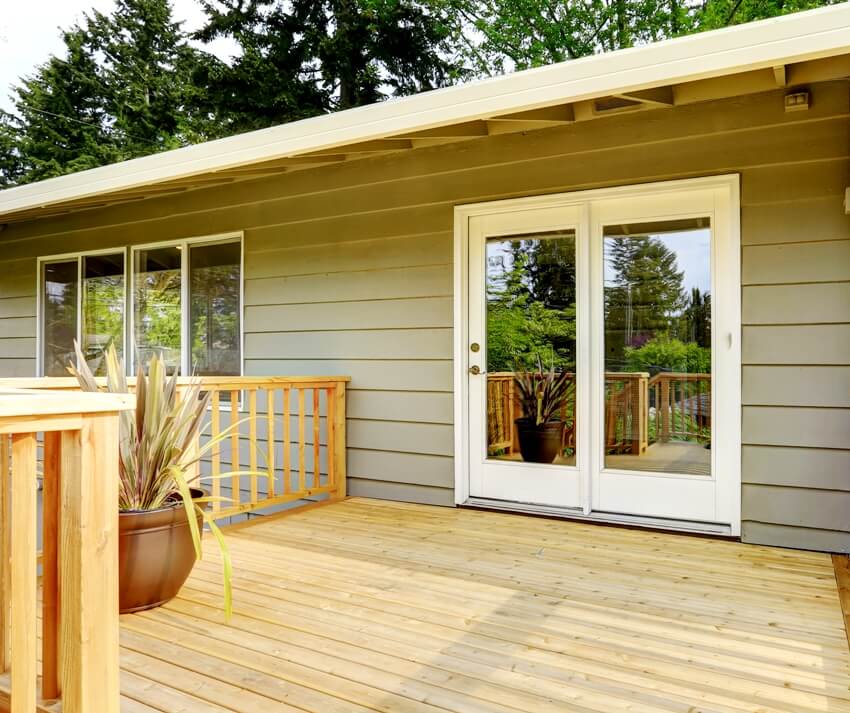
(813,34)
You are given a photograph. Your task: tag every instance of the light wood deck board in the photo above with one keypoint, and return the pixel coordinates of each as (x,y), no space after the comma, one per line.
(375,606)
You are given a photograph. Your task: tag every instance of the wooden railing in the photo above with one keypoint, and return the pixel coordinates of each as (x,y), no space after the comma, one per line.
(289,453)
(288,437)
(80,550)
(682,406)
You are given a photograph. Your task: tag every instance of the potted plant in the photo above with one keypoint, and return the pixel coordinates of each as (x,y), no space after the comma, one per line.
(162,508)
(542,396)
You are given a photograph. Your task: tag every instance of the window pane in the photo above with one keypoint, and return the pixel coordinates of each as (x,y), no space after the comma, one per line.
(60,316)
(215,309)
(658,347)
(157,305)
(531,321)
(103,308)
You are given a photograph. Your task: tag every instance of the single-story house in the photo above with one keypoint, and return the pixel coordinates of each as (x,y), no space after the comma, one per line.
(686,195)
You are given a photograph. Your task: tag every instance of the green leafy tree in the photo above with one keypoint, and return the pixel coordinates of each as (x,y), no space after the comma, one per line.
(531,310)
(668,355)
(506,34)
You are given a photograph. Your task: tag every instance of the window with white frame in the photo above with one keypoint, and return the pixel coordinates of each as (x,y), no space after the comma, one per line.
(181,300)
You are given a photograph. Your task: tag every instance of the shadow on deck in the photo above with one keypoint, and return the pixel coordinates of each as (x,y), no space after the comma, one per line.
(366,605)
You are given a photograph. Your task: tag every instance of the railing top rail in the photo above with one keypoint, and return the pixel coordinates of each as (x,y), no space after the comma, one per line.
(68,383)
(26,403)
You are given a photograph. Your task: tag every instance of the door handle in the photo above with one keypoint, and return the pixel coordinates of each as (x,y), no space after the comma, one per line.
(475,370)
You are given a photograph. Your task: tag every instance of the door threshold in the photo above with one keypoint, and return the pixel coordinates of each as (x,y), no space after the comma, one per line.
(611,518)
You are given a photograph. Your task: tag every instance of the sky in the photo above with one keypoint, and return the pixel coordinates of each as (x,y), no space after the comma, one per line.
(29,32)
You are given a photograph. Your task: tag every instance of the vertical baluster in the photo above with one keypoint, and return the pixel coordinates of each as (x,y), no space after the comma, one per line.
(302,479)
(331,421)
(695,397)
(317,467)
(252,436)
(5,553)
(24,574)
(287,426)
(215,431)
(50,565)
(270,487)
(235,485)
(699,409)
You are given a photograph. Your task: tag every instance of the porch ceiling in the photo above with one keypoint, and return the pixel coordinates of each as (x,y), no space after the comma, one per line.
(369,605)
(790,51)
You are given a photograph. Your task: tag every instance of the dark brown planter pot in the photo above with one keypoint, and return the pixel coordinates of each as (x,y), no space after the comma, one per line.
(155,555)
(539,444)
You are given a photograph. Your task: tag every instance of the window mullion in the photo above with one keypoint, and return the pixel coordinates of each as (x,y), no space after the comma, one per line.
(79,308)
(185,352)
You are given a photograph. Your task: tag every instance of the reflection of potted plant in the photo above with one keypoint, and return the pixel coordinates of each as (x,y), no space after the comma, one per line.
(543,395)
(161,507)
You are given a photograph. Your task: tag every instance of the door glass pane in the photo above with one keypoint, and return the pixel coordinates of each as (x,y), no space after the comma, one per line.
(215,309)
(103,308)
(157,305)
(531,347)
(59,329)
(658,347)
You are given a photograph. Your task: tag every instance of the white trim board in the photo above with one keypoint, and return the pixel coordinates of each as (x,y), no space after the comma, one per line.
(815,34)
(729,495)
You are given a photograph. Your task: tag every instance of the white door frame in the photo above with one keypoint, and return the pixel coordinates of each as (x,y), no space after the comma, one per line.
(729,185)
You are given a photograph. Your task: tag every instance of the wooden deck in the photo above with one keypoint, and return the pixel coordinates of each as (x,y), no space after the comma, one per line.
(366,605)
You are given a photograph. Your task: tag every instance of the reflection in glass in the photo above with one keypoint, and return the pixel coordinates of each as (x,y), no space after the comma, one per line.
(103,308)
(60,316)
(215,308)
(157,305)
(657,298)
(531,322)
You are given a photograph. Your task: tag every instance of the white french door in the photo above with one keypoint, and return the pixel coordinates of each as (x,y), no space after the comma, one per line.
(630,297)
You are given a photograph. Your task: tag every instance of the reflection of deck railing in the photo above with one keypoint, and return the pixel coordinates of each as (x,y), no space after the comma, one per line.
(682,406)
(626,412)
(639,410)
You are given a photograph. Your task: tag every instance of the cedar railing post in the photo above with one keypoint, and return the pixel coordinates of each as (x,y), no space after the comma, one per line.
(339,447)
(89,664)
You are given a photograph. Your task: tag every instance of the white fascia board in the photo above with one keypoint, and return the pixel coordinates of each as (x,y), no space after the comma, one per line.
(792,38)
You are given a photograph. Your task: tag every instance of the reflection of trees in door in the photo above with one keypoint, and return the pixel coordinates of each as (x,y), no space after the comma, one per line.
(531,315)
(531,302)
(657,312)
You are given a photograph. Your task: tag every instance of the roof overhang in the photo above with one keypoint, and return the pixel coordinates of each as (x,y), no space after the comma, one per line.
(788,50)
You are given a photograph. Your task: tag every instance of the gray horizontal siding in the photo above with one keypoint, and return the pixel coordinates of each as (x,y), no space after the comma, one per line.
(348,271)
(795,467)
(797,344)
(760,533)
(823,386)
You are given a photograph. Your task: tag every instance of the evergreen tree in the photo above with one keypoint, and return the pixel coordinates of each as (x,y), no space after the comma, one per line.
(307,57)
(643,293)
(61,124)
(696,319)
(121,89)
